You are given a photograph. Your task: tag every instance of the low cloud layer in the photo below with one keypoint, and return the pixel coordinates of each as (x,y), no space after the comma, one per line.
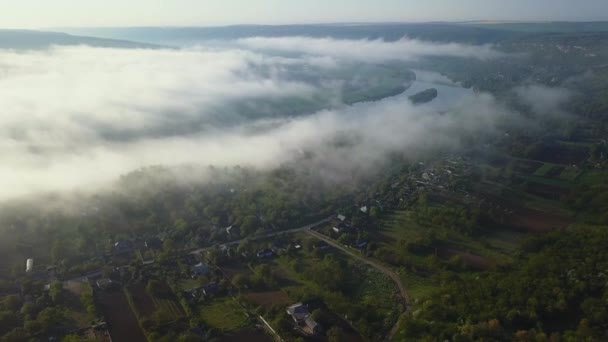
(372,51)
(544,100)
(76,118)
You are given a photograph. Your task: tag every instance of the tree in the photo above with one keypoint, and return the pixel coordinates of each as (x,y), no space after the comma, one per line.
(169,246)
(56,292)
(16,335)
(250,223)
(241,281)
(58,251)
(156,289)
(336,334)
(374,212)
(76,338)
(12,303)
(87,300)
(29,309)
(190,337)
(51,318)
(8,320)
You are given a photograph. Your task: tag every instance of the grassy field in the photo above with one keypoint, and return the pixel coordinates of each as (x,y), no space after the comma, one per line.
(544,170)
(225,315)
(570,174)
(418,287)
(188,284)
(374,288)
(169,305)
(398,226)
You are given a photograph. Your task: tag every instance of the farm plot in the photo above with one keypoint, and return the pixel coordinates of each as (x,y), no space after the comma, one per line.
(570,173)
(543,170)
(250,335)
(566,154)
(268,299)
(169,305)
(537,221)
(548,170)
(526,167)
(224,315)
(545,190)
(145,305)
(122,323)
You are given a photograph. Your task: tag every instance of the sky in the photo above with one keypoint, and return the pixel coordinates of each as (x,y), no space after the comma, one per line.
(40,14)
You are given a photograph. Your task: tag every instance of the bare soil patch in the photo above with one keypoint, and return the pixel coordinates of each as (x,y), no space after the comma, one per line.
(122,323)
(268,299)
(143,303)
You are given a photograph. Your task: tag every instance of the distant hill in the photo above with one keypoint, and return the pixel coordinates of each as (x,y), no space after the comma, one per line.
(545,27)
(441,32)
(28,40)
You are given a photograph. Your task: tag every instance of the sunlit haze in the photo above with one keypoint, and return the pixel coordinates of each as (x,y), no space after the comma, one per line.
(62,13)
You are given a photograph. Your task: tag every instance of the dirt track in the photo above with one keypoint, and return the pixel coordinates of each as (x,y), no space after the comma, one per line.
(387,271)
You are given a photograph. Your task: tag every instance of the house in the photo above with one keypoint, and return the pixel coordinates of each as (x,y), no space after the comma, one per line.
(193,294)
(342,228)
(312,327)
(200,269)
(298,312)
(104,283)
(301,316)
(154,243)
(123,246)
(211,289)
(363,209)
(341,217)
(361,244)
(265,253)
(322,245)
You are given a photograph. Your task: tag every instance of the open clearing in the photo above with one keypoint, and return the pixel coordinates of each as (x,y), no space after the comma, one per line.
(225,315)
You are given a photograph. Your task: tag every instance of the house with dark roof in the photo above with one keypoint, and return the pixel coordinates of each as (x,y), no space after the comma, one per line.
(265,253)
(104,283)
(154,243)
(301,316)
(211,289)
(298,312)
(199,270)
(321,245)
(123,246)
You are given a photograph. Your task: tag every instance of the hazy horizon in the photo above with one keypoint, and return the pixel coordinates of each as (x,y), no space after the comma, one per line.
(34,14)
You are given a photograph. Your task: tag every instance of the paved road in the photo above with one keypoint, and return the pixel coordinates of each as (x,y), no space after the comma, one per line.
(267,235)
(387,271)
(83,278)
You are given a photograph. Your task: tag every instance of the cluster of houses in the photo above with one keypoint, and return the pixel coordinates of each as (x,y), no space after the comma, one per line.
(342,226)
(127,246)
(303,320)
(209,290)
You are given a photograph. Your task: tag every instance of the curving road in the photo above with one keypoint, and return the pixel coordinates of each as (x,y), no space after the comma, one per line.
(267,235)
(387,271)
